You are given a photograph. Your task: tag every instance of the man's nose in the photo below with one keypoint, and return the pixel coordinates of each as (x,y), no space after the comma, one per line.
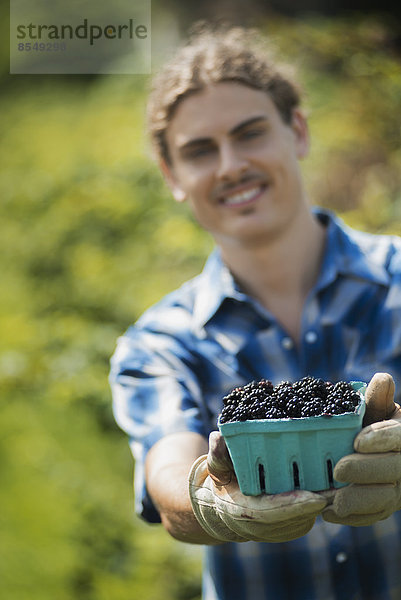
(231,162)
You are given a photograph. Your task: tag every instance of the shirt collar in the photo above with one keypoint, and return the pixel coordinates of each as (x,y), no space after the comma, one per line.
(351,253)
(215,285)
(348,252)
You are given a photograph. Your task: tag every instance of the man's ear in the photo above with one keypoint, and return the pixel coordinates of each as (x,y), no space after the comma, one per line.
(168,174)
(301,131)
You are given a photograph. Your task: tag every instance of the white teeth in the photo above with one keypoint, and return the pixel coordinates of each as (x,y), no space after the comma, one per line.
(242,197)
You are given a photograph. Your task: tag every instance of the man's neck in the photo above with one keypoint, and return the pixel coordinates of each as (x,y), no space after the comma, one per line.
(280,272)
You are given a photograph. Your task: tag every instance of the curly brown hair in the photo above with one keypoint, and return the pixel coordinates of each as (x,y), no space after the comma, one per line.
(212,55)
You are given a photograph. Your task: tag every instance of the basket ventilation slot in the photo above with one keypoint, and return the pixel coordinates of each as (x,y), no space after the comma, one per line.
(330,472)
(295,475)
(262,479)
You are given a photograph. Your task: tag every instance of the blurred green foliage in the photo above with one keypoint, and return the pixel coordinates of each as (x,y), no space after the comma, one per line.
(90,237)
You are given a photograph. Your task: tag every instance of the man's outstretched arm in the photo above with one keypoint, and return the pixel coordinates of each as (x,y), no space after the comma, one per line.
(168,465)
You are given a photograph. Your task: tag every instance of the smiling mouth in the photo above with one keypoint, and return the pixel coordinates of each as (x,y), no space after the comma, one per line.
(243,198)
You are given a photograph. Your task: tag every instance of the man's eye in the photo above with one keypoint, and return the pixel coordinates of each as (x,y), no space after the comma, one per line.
(198,152)
(251,133)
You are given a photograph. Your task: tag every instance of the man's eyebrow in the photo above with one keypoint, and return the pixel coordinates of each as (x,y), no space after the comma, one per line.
(206,140)
(248,122)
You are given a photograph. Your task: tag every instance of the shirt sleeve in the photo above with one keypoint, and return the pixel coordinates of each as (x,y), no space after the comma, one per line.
(156,392)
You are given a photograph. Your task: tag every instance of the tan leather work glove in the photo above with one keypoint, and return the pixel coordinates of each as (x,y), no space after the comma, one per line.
(374,471)
(229,516)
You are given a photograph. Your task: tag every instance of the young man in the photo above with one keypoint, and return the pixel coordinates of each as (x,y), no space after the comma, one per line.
(288,292)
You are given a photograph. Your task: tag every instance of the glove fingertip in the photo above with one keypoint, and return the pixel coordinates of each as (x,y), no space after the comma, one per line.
(329,515)
(379,398)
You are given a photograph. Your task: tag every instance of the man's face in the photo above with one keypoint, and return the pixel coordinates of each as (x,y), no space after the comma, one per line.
(236,162)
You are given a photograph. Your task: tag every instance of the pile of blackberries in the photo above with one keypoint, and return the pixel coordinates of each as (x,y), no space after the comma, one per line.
(308,397)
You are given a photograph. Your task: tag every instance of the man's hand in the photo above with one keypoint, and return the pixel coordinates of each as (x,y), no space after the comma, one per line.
(374,471)
(229,516)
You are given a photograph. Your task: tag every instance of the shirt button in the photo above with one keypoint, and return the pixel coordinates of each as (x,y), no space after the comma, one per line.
(311,337)
(341,557)
(287,343)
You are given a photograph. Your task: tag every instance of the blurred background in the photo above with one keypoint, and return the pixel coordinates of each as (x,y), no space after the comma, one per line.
(90,237)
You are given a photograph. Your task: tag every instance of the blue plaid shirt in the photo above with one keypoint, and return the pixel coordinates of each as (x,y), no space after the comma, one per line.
(171,369)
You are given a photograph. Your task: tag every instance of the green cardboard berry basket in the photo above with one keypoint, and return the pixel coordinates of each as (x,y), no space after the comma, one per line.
(280,455)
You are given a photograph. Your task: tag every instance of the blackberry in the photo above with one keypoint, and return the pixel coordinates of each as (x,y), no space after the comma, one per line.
(273,412)
(307,397)
(312,408)
(294,407)
(308,387)
(256,411)
(266,386)
(284,387)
